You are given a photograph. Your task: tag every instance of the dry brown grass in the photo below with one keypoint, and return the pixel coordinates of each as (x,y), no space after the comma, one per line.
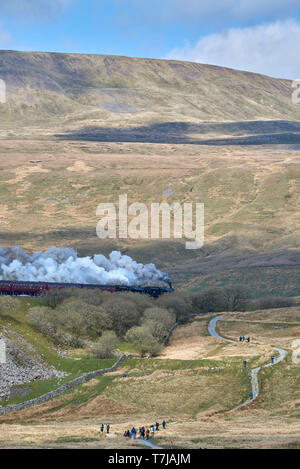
(261,328)
(190,342)
(194,399)
(281,315)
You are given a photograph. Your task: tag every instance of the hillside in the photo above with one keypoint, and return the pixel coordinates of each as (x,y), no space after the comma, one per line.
(71,90)
(208,371)
(78,130)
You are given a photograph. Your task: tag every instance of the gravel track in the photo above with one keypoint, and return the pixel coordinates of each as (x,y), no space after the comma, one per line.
(254,372)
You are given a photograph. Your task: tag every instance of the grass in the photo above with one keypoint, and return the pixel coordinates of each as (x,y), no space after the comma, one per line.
(43,347)
(194,393)
(280,389)
(233,189)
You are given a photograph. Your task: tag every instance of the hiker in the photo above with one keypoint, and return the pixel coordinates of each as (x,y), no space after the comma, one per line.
(164,424)
(101,427)
(147,434)
(251,395)
(245,364)
(248,339)
(152,430)
(143,432)
(240,338)
(133,433)
(243,338)
(107,428)
(157,426)
(124,375)
(272,359)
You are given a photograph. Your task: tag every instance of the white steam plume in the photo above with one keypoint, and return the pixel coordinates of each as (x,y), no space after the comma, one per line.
(63,265)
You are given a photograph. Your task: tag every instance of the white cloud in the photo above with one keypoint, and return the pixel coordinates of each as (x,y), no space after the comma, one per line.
(271,49)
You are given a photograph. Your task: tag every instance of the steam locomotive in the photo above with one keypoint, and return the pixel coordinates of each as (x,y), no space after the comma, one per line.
(19,288)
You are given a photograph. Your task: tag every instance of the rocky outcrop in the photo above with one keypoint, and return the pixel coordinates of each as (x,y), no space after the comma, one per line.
(21,364)
(62,389)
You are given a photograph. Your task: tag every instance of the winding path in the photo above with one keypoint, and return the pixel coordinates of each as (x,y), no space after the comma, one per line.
(212,329)
(254,372)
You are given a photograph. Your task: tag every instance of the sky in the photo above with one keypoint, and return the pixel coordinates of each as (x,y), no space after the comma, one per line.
(256,35)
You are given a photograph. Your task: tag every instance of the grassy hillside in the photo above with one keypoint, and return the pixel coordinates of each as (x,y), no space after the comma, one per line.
(78,130)
(207,379)
(81,89)
(50,190)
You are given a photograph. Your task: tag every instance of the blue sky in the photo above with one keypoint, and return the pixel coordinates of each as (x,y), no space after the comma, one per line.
(256,35)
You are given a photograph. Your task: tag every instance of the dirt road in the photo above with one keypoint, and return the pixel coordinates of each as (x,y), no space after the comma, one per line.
(254,372)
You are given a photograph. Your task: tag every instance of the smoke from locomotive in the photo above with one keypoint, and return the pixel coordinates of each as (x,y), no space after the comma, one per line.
(63,265)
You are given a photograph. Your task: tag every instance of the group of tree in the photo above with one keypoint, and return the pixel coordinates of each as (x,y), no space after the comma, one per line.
(75,316)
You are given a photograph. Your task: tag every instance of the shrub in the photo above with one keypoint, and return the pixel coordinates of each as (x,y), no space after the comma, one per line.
(143,340)
(104,347)
(159,321)
(122,313)
(178,303)
(210,300)
(82,318)
(270,302)
(8,304)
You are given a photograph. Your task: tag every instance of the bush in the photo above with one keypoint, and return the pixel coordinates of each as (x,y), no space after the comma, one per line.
(122,313)
(210,300)
(104,347)
(40,319)
(82,318)
(143,340)
(8,304)
(178,303)
(159,321)
(270,302)
(235,298)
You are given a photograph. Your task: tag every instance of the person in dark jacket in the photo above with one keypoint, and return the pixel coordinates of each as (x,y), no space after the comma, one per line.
(164,424)
(157,426)
(101,427)
(107,428)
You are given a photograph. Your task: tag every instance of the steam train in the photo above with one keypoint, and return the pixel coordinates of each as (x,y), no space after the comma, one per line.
(19,288)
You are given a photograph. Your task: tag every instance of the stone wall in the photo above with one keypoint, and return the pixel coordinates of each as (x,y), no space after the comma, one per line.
(62,389)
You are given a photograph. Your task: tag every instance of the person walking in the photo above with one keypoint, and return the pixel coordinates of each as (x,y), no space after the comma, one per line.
(147,434)
(157,426)
(164,424)
(101,427)
(245,364)
(107,428)
(152,430)
(272,359)
(133,433)
(248,339)
(251,395)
